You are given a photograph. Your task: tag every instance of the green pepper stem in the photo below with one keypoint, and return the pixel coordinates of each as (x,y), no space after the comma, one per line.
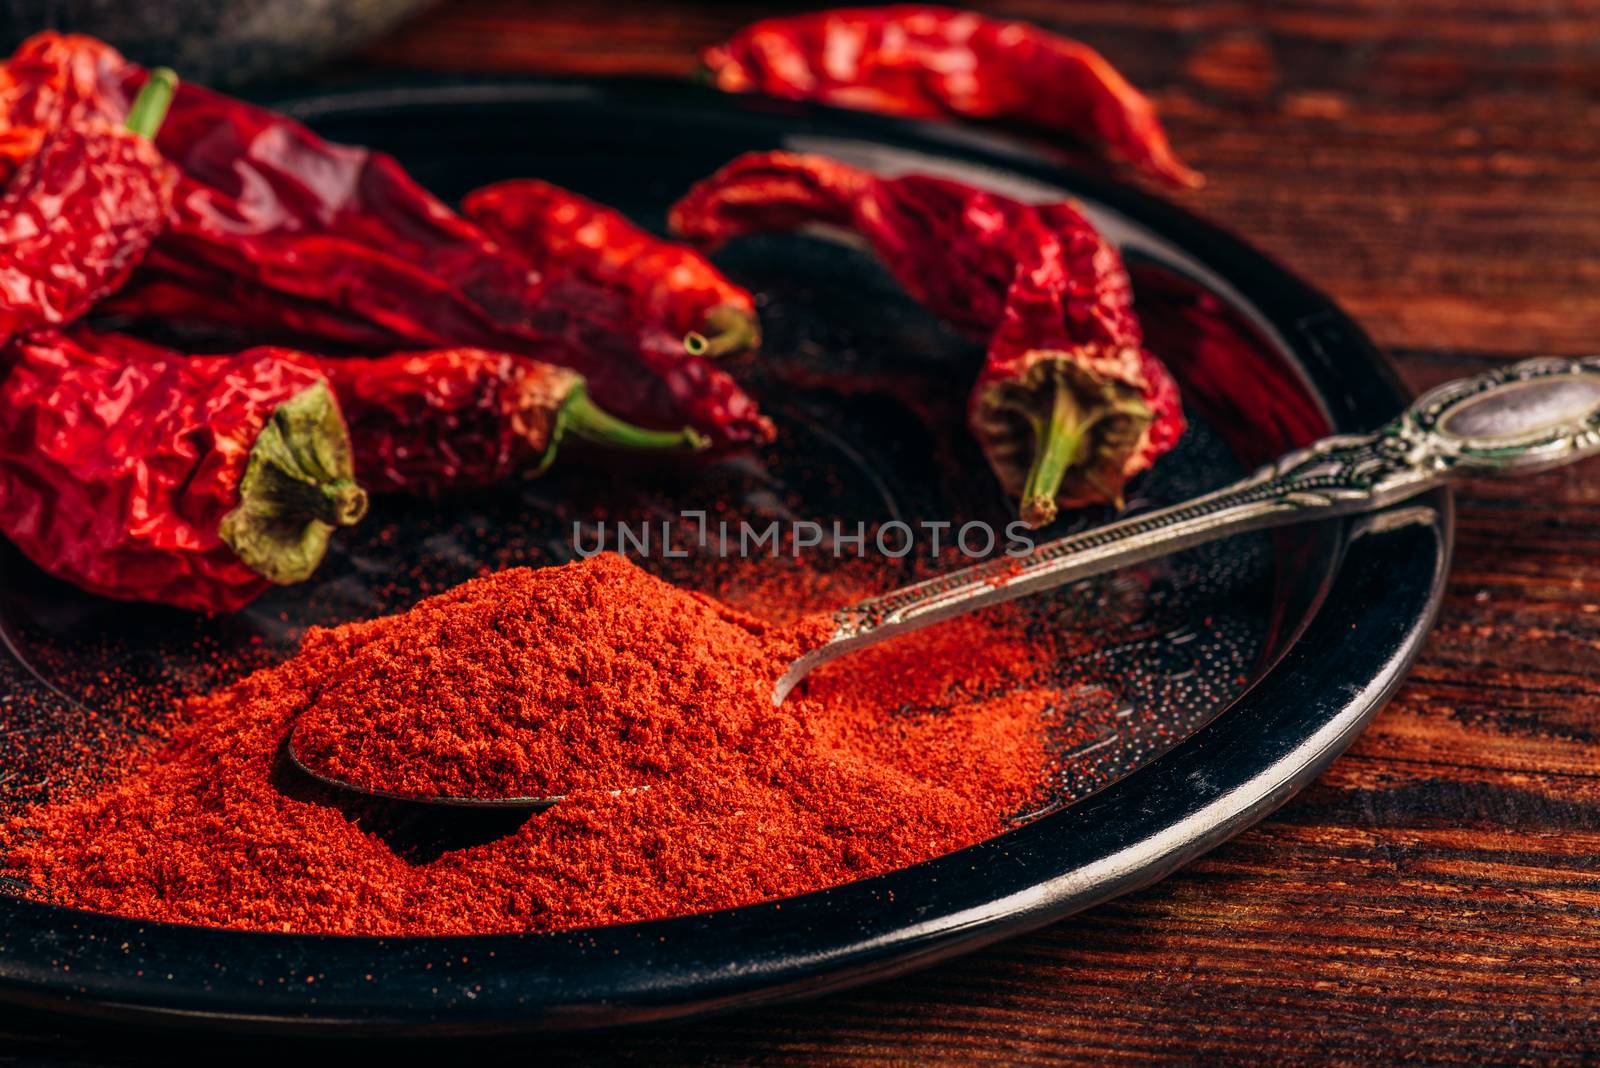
(150,106)
(1058,444)
(581,416)
(727,329)
(298,486)
(340,503)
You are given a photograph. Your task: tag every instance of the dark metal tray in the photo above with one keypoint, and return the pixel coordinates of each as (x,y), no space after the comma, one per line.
(1246,666)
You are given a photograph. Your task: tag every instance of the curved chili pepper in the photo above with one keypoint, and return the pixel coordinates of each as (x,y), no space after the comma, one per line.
(559,232)
(1068,405)
(147,475)
(928,61)
(430,422)
(274,219)
(77,216)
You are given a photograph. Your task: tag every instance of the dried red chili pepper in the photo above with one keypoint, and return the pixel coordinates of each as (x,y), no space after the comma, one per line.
(77,216)
(1069,405)
(560,232)
(272,222)
(51,82)
(429,422)
(146,475)
(928,61)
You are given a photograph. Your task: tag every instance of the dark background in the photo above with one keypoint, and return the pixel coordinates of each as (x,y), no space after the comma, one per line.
(1435,166)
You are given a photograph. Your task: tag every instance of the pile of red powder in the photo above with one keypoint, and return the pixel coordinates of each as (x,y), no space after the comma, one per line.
(592,676)
(648,707)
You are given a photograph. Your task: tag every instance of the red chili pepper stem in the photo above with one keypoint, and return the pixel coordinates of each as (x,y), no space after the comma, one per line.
(728,329)
(580,416)
(1067,439)
(298,486)
(149,108)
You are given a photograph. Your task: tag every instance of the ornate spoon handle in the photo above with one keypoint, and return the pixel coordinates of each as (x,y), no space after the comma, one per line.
(1526,417)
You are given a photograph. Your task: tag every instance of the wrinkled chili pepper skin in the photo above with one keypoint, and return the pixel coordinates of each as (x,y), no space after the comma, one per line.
(75,220)
(1069,310)
(84,196)
(275,229)
(432,422)
(52,82)
(262,198)
(646,377)
(1037,283)
(559,232)
(929,61)
(120,461)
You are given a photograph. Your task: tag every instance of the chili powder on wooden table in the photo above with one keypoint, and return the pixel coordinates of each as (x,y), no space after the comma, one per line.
(860,775)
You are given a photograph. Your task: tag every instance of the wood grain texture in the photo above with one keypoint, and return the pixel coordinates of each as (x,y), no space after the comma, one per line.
(1435,896)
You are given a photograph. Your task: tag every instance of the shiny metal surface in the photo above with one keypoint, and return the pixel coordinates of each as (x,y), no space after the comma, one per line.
(1530,416)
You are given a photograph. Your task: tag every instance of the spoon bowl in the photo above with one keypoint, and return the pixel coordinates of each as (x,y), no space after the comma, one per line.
(444,800)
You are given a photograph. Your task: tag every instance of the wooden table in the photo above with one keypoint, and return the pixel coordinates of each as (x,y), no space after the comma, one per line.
(1435,166)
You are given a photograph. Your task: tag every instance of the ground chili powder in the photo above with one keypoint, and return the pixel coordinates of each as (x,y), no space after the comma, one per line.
(592,676)
(890,757)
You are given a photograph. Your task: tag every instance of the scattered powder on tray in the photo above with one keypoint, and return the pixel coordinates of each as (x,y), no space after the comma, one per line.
(579,680)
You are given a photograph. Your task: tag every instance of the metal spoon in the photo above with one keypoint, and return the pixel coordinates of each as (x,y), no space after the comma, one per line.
(443,800)
(1529,416)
